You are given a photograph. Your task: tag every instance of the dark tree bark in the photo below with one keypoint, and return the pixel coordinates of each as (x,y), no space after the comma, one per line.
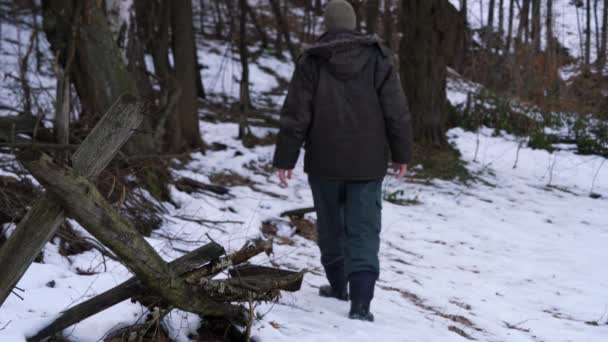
(536,20)
(524,23)
(587,63)
(372,9)
(501,18)
(244,98)
(601,59)
(98,71)
(388,22)
(549,28)
(510,26)
(423,66)
(183,124)
(491,9)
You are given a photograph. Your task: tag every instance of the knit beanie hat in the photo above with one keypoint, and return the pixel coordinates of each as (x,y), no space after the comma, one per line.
(340,15)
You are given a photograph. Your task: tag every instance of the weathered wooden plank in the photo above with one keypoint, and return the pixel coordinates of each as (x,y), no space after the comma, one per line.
(84,202)
(37,227)
(124,291)
(101,145)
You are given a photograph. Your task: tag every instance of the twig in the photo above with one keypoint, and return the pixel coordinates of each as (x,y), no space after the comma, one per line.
(597,173)
(6,325)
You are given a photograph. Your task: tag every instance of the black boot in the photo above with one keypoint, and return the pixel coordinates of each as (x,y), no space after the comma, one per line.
(361,293)
(337,283)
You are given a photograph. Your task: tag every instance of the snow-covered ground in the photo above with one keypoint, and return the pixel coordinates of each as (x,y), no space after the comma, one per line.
(507,259)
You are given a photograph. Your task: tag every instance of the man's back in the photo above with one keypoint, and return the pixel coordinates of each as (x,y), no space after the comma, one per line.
(346,103)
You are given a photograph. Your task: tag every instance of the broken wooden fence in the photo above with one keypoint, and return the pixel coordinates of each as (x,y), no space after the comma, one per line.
(185,283)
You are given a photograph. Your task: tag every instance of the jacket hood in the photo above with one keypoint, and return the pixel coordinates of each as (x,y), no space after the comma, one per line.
(346,52)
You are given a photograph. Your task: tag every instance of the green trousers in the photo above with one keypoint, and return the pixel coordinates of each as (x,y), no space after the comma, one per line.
(349,223)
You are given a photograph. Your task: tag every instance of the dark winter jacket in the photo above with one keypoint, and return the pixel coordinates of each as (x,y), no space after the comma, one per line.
(346,104)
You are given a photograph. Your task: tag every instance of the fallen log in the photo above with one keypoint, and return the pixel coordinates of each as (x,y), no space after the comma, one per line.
(248,251)
(40,146)
(43,219)
(12,126)
(124,291)
(297,212)
(190,185)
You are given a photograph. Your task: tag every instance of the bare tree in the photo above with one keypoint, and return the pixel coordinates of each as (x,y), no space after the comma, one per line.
(587,59)
(510,26)
(245,98)
(536,26)
(283,28)
(523,31)
(601,58)
(184,129)
(491,9)
(549,29)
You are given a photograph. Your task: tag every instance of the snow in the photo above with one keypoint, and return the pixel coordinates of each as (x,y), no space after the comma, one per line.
(509,251)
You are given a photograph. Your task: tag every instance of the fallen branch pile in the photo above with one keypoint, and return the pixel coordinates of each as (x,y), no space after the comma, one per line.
(186,283)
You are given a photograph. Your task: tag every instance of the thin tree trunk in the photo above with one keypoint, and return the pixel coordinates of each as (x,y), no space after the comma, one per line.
(524,23)
(597,27)
(510,26)
(587,63)
(549,33)
(283,28)
(184,127)
(603,41)
(244,98)
(388,22)
(536,25)
(491,9)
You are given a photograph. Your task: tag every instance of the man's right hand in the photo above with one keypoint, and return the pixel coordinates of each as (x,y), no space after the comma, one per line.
(284,175)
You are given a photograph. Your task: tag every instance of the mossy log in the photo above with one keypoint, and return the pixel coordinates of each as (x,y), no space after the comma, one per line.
(45,216)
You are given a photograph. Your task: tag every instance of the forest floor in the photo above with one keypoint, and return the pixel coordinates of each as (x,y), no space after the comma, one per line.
(511,255)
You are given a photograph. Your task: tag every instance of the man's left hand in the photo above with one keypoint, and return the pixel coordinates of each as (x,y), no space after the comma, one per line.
(400,170)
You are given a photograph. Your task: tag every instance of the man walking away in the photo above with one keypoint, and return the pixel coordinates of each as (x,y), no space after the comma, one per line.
(346,106)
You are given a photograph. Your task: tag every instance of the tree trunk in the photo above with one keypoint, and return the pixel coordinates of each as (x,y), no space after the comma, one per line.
(536,20)
(283,28)
(510,26)
(98,72)
(501,19)
(601,59)
(491,9)
(389,23)
(524,23)
(372,9)
(183,125)
(587,63)
(244,98)
(549,33)
(423,67)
